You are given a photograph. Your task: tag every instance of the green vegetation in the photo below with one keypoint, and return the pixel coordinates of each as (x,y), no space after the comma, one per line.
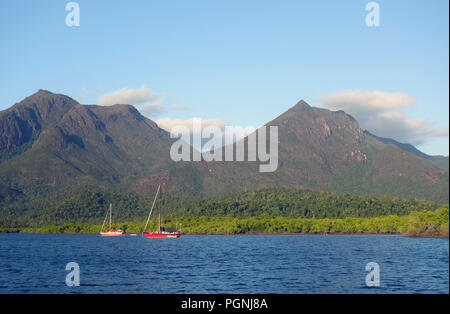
(301,204)
(89,207)
(422,223)
(440,162)
(279,210)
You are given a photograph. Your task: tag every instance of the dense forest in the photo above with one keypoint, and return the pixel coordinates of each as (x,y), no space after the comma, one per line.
(89,207)
(422,223)
(302,203)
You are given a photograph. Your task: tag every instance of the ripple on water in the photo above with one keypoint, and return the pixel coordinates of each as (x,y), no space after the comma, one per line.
(223,264)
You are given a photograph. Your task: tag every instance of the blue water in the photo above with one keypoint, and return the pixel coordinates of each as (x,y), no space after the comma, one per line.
(223,264)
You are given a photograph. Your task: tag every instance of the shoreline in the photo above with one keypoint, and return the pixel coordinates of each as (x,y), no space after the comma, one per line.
(260,234)
(416,224)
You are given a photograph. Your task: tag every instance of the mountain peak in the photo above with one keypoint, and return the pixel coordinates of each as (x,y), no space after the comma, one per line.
(301,106)
(54,145)
(302,103)
(46,97)
(42,92)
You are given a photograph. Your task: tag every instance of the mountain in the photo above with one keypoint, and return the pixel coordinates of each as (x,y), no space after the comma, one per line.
(318,149)
(52,148)
(441,162)
(327,150)
(50,145)
(330,151)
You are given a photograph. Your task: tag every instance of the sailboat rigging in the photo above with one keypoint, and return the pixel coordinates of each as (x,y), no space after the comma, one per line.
(111,232)
(162,232)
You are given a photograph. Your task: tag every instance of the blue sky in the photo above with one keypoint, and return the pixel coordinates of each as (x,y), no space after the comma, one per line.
(243,62)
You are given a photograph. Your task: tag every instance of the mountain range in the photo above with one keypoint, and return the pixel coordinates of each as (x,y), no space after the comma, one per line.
(52,147)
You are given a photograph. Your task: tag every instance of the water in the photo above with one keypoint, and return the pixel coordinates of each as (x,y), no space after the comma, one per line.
(32,263)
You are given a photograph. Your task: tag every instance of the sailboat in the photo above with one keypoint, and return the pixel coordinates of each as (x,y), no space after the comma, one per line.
(111,232)
(161,232)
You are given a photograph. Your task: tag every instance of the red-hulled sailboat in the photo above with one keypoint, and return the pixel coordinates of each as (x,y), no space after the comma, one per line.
(111,232)
(161,232)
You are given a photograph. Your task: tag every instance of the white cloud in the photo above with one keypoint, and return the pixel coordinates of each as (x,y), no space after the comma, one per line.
(397,125)
(238,131)
(378,113)
(441,132)
(145,100)
(362,104)
(128,96)
(168,123)
(153,108)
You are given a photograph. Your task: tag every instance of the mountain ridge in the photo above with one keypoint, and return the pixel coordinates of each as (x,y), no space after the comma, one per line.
(321,149)
(51,147)
(439,161)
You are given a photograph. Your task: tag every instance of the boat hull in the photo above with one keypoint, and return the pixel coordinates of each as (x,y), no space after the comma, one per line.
(111,234)
(162,234)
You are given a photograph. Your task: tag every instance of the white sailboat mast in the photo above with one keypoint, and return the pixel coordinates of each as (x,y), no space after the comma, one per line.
(110,215)
(151,210)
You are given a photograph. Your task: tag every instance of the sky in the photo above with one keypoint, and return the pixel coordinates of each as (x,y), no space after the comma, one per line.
(238,63)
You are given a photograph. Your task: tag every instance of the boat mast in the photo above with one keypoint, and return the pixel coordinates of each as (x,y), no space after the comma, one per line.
(151,210)
(159,222)
(104,221)
(110,215)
